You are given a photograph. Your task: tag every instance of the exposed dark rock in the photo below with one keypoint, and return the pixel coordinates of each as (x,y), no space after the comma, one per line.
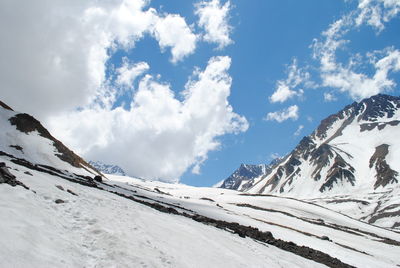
(8,178)
(28,173)
(98,178)
(380,126)
(384,174)
(71,192)
(60,187)
(207,199)
(337,201)
(51,170)
(17,147)
(27,123)
(161,192)
(378,106)
(340,171)
(59,201)
(5,106)
(325,238)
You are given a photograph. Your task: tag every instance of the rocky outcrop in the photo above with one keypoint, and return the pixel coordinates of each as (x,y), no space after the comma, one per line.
(7,177)
(27,123)
(384,174)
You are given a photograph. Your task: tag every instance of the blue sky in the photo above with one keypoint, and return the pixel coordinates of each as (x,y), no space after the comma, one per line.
(263,75)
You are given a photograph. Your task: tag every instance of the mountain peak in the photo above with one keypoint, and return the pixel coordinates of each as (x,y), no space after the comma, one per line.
(353,150)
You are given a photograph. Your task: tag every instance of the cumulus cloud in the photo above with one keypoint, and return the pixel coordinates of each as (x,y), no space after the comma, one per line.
(291,112)
(172,31)
(299,130)
(55,65)
(213,18)
(57,50)
(159,136)
(127,73)
(288,88)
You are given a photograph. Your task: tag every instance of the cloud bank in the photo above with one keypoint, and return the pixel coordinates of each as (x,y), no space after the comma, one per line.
(159,136)
(61,76)
(69,45)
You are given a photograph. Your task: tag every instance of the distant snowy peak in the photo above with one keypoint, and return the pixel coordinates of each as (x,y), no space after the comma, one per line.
(354,150)
(107,168)
(243,178)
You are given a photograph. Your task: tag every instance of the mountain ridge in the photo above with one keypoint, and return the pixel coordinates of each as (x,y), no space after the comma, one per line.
(331,161)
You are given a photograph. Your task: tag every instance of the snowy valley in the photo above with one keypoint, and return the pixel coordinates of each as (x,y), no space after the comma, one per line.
(327,204)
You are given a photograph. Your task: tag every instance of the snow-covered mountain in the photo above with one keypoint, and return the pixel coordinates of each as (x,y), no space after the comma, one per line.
(55,211)
(349,163)
(243,177)
(107,168)
(353,151)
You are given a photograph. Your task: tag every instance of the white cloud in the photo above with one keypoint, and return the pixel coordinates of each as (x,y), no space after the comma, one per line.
(291,112)
(159,136)
(376,12)
(346,77)
(60,48)
(128,73)
(286,89)
(328,97)
(299,130)
(172,31)
(213,17)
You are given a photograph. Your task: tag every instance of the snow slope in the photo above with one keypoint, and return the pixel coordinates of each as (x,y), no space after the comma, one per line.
(65,218)
(100,229)
(23,137)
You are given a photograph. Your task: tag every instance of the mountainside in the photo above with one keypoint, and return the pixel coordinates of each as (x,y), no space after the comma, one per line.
(355,150)
(243,178)
(25,140)
(107,168)
(349,163)
(54,213)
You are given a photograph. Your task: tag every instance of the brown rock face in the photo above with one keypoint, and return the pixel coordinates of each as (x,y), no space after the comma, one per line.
(5,106)
(384,174)
(27,123)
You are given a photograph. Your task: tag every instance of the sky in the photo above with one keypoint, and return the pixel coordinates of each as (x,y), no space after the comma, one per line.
(186,91)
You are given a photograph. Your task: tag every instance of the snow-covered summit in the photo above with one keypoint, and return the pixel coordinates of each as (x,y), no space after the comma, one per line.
(352,151)
(243,177)
(107,168)
(355,150)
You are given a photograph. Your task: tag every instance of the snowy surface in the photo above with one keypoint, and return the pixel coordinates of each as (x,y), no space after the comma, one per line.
(35,148)
(97,228)
(100,229)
